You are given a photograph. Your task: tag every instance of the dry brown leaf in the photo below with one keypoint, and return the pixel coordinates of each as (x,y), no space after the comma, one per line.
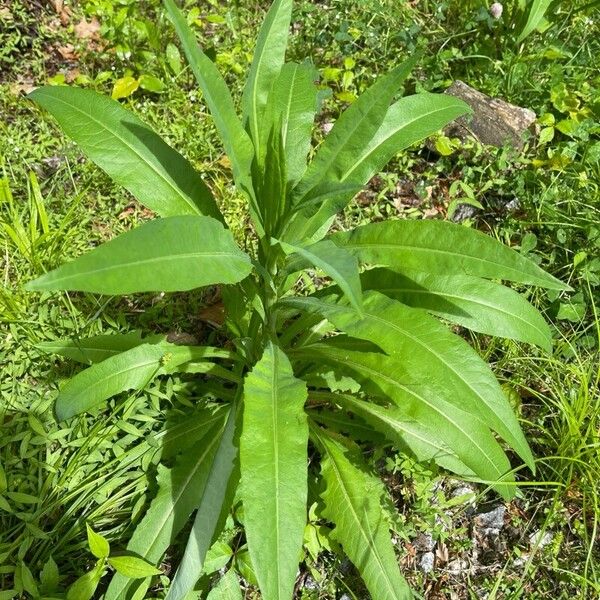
(214,314)
(68,52)
(63,12)
(87,29)
(24,87)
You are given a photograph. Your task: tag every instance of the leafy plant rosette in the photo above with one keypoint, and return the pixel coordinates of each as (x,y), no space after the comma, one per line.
(366,353)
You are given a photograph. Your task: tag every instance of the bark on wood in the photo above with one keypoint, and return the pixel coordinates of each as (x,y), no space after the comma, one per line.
(494,122)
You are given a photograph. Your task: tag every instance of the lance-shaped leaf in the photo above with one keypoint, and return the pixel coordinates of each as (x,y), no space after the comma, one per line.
(292,103)
(431,357)
(536,11)
(437,431)
(179,491)
(267,62)
(99,347)
(442,248)
(212,502)
(409,120)
(129,151)
(350,136)
(236,141)
(342,266)
(273,461)
(475,303)
(271,187)
(353,503)
(172,254)
(228,588)
(132,369)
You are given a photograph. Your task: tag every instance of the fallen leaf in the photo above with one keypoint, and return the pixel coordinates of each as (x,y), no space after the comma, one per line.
(68,52)
(22,87)
(63,12)
(214,315)
(87,29)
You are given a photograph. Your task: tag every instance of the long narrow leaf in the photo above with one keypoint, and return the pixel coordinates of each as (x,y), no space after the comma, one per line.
(269,56)
(342,266)
(218,98)
(475,303)
(350,135)
(440,432)
(432,358)
(292,103)
(179,489)
(353,503)
(536,11)
(273,460)
(131,369)
(442,248)
(409,120)
(212,502)
(129,151)
(172,254)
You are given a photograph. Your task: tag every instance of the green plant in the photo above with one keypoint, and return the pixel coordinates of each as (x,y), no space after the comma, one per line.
(360,354)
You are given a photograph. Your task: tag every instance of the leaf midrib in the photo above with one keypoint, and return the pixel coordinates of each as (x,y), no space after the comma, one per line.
(423,399)
(134,264)
(463,298)
(161,175)
(414,249)
(373,548)
(366,156)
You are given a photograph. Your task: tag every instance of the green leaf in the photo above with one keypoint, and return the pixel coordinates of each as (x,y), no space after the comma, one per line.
(228,588)
(342,267)
(131,369)
(353,503)
(407,121)
(152,84)
(85,587)
(273,460)
(212,503)
(441,248)
(218,99)
(49,576)
(269,55)
(180,491)
(350,135)
(292,105)
(124,87)
(130,152)
(3,479)
(437,431)
(432,359)
(271,187)
(474,303)
(133,567)
(535,15)
(173,58)
(96,348)
(97,543)
(172,254)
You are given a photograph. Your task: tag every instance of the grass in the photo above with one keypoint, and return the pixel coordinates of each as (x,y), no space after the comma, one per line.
(97,469)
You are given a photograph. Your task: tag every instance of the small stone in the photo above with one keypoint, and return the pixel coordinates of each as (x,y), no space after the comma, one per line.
(496,10)
(539,539)
(326,128)
(491,522)
(426,562)
(310,583)
(457,566)
(424,542)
